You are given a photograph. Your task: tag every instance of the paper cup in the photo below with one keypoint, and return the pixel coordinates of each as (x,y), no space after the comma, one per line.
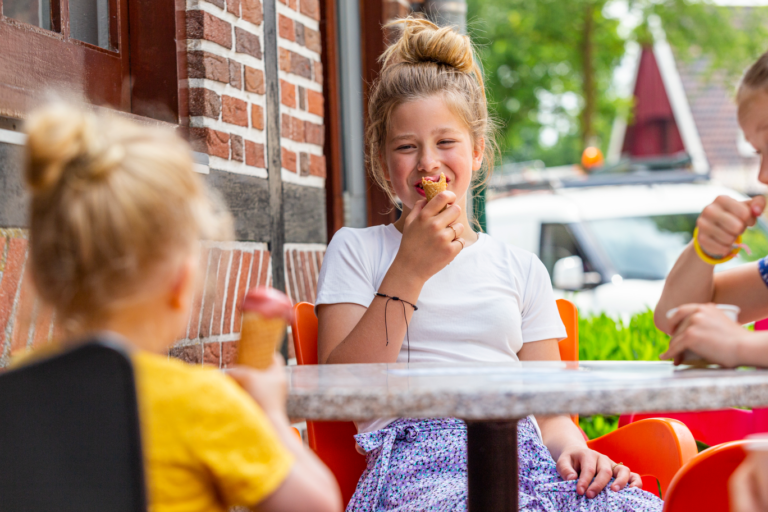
(259,339)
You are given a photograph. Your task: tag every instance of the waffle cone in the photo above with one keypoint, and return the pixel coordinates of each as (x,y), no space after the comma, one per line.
(259,339)
(432,188)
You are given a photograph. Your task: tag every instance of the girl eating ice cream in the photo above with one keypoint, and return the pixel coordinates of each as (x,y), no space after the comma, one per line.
(477,298)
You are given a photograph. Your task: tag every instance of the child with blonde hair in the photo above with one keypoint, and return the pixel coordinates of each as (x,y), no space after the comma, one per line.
(477,298)
(116,217)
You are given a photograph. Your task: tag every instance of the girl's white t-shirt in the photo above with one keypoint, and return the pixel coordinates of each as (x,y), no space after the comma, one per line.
(482,307)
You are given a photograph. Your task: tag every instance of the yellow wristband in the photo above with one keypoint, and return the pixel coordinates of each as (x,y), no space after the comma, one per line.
(706,258)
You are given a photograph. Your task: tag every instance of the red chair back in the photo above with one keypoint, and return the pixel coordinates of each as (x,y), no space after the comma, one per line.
(332,441)
(702,484)
(569,347)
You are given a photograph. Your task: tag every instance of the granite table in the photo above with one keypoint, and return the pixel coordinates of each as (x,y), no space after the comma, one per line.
(491,398)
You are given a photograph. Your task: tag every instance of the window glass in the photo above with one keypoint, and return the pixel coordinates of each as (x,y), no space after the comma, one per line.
(89,22)
(34,12)
(558,242)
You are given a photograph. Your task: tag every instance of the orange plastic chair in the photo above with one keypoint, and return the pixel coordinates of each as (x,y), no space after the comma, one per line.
(702,484)
(654,448)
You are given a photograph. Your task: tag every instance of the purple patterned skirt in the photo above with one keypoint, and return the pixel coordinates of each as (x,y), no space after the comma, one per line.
(422,465)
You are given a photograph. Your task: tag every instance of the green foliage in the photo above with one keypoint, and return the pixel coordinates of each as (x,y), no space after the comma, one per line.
(603,338)
(535,53)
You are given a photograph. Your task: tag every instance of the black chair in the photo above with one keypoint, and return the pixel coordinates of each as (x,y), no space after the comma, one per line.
(69,434)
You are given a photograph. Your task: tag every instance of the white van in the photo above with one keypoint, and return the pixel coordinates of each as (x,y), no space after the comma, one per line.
(609,248)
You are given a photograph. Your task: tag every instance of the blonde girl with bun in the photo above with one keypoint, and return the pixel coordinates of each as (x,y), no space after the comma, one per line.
(478,299)
(116,218)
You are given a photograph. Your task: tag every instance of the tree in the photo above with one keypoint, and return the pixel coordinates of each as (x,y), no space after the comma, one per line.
(549,63)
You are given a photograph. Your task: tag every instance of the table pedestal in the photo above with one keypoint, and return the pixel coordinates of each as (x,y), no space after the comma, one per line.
(492,466)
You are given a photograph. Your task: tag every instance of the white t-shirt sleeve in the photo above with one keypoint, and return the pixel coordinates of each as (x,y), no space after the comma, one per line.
(347,273)
(540,317)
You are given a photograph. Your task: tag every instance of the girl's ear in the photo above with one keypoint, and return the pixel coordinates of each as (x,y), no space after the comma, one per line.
(477,154)
(182,291)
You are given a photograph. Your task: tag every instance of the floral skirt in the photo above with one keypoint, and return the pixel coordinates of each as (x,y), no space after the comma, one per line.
(422,465)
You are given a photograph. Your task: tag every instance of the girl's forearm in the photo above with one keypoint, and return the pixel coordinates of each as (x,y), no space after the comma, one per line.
(373,341)
(752,349)
(690,281)
(559,432)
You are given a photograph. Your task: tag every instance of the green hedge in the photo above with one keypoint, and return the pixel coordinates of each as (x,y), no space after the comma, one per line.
(603,338)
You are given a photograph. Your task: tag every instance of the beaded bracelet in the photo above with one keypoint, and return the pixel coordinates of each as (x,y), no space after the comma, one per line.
(706,258)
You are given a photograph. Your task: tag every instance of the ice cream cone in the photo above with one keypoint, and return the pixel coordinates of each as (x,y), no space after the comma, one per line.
(266,313)
(259,339)
(432,188)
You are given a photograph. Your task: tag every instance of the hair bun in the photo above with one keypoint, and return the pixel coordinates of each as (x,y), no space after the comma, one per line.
(423,41)
(61,134)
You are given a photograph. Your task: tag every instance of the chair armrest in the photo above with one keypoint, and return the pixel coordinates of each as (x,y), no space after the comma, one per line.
(656,447)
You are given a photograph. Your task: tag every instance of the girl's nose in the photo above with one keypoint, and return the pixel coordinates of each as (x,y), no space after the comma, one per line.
(763,176)
(428,161)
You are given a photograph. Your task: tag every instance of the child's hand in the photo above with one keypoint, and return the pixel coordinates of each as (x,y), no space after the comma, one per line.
(268,388)
(704,329)
(431,239)
(721,223)
(594,471)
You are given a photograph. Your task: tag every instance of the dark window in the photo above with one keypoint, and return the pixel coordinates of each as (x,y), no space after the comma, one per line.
(557,242)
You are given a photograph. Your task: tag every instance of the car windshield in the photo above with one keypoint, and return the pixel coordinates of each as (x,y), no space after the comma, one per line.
(647,247)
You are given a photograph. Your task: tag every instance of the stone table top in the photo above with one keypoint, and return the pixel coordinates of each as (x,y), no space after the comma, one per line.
(484,391)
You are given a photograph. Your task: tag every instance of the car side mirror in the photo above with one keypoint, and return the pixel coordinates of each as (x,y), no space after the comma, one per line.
(568,273)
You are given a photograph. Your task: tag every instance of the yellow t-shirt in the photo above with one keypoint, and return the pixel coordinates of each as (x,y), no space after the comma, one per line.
(207,445)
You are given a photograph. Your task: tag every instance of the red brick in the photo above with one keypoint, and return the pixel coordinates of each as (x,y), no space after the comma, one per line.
(260,273)
(228,354)
(247,43)
(212,353)
(285,27)
(209,296)
(313,276)
(317,165)
(285,59)
(203,25)
(197,304)
(314,133)
(234,278)
(289,160)
(236,143)
(254,154)
(302,98)
(24,315)
(318,68)
(252,11)
(287,94)
(221,290)
(315,103)
(299,33)
(9,286)
(233,6)
(292,128)
(207,65)
(257,117)
(254,80)
(234,111)
(311,8)
(309,296)
(42,325)
(210,141)
(300,65)
(217,3)
(235,74)
(192,354)
(312,40)
(292,5)
(204,102)
(242,284)
(395,10)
